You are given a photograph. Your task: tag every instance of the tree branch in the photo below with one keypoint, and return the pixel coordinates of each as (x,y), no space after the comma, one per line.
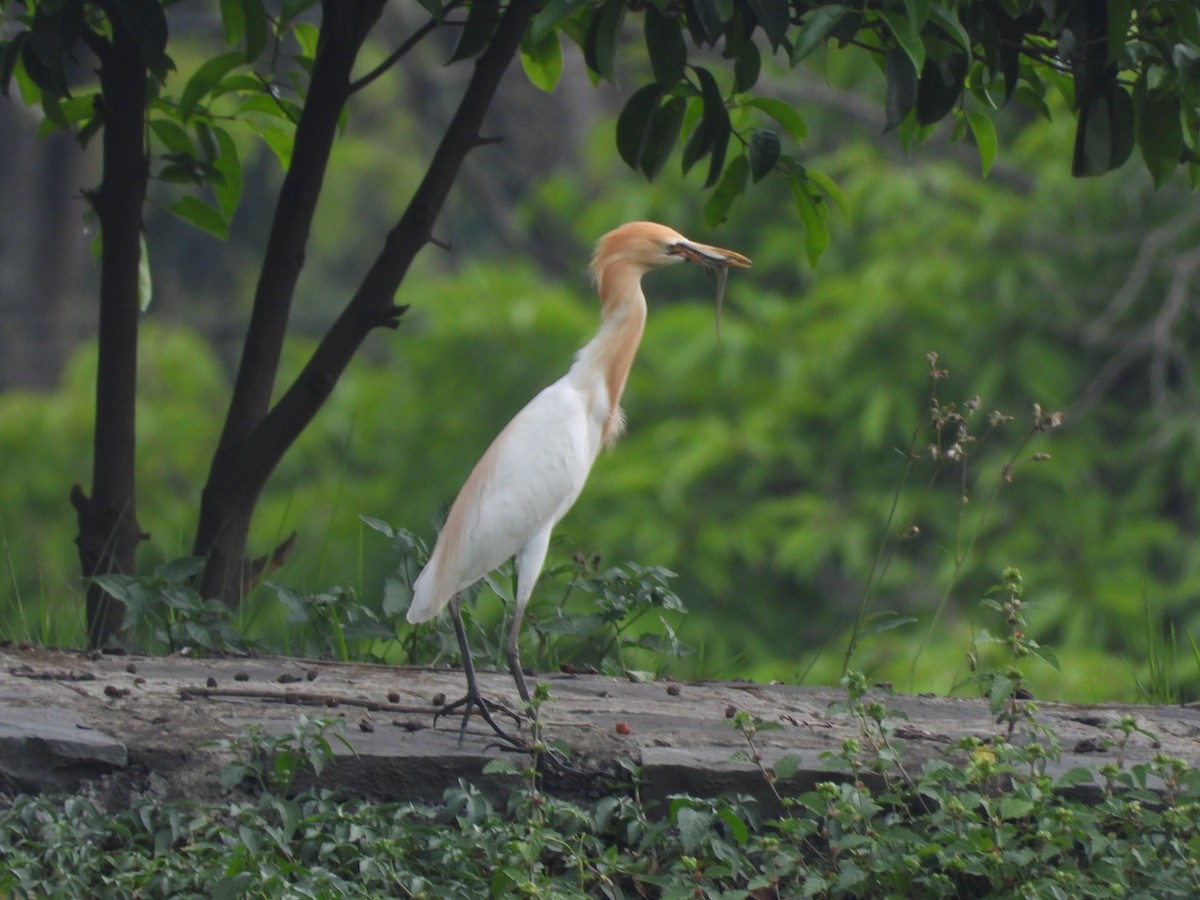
(313,385)
(396,55)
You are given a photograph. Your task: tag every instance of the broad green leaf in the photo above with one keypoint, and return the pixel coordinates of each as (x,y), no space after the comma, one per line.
(731,186)
(600,47)
(634,122)
(746,65)
(774,16)
(289,9)
(661,136)
(940,87)
(949,23)
(552,15)
(699,143)
(710,19)
(918,13)
(10,54)
(279,139)
(1118,16)
(542,60)
(233,21)
(665,44)
(815,28)
(482,17)
(1187,17)
(763,153)
(814,215)
(228,189)
(207,77)
(901,93)
(145,283)
(984,131)
(717,118)
(196,212)
(830,189)
(693,827)
(173,137)
(1104,134)
(49,79)
(1160,135)
(307,36)
(784,114)
(908,36)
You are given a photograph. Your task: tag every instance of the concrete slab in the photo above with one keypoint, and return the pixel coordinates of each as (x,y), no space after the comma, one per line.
(166,712)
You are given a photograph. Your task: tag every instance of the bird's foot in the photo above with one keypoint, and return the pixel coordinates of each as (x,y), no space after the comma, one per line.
(473,700)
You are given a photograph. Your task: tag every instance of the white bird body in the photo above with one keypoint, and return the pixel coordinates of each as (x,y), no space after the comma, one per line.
(518,491)
(536,467)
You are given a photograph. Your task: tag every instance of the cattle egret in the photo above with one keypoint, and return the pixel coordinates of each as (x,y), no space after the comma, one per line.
(535,468)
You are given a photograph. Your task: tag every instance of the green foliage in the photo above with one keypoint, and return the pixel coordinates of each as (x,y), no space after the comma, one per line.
(267,763)
(167,609)
(994,824)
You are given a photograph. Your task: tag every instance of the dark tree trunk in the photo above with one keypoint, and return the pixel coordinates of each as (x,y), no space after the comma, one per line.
(108,528)
(255,436)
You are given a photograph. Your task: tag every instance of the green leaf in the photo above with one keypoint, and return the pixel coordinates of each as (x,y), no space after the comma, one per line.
(201,215)
(763,153)
(814,215)
(774,16)
(634,122)
(901,94)
(918,13)
(661,136)
(699,143)
(829,188)
(542,60)
(784,114)
(693,828)
(747,63)
(600,46)
(228,189)
(940,87)
(717,117)
(665,44)
(949,23)
(552,15)
(307,36)
(817,26)
(290,9)
(257,29)
(173,137)
(731,186)
(908,35)
(1104,134)
(482,17)
(10,53)
(984,131)
(207,77)
(1160,135)
(145,283)
(709,20)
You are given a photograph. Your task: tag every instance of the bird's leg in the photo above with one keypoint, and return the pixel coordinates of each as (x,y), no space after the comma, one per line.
(474,699)
(529,565)
(514,657)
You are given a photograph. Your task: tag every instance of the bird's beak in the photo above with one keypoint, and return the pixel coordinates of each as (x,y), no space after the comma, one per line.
(709,257)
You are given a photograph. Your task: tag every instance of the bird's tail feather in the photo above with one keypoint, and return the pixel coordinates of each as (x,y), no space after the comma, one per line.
(426,602)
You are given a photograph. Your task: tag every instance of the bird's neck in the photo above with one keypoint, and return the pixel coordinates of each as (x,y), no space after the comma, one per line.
(604,362)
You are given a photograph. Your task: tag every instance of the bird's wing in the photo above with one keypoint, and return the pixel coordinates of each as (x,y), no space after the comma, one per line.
(525,482)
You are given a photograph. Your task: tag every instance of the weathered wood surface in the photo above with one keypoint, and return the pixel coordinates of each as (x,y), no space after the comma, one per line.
(120,724)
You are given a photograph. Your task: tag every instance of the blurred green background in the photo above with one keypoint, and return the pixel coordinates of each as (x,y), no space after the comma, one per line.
(784,471)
